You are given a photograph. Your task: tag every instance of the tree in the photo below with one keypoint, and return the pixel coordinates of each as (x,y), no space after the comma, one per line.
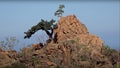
(43,25)
(8,43)
(59,11)
(47,26)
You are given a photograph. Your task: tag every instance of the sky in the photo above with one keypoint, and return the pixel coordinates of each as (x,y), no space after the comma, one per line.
(102,18)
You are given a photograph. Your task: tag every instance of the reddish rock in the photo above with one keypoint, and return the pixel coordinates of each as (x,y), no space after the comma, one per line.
(86,64)
(7,58)
(37,46)
(50,63)
(1,50)
(12,54)
(71,28)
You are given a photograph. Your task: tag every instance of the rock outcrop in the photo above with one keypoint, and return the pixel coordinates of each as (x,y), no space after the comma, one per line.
(75,47)
(7,57)
(71,28)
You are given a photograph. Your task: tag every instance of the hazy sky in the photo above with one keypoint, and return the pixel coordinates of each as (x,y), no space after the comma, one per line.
(101,18)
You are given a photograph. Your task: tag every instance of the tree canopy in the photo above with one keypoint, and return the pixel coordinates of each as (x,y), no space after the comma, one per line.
(47,26)
(59,11)
(42,25)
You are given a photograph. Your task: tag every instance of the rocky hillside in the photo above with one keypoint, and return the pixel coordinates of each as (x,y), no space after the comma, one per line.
(73,47)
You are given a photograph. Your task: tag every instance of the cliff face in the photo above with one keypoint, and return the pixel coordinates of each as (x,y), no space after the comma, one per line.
(71,28)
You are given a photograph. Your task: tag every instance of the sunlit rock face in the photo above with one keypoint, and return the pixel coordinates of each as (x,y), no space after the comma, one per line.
(70,27)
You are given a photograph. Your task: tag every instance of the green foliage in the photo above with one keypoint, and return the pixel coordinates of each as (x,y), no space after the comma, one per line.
(59,11)
(117,65)
(43,25)
(33,58)
(112,54)
(78,48)
(60,66)
(77,66)
(47,26)
(17,65)
(106,50)
(72,41)
(78,39)
(2,56)
(8,43)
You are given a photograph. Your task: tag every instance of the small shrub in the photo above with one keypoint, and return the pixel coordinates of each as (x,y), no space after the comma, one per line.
(17,65)
(60,66)
(72,41)
(78,39)
(76,65)
(2,56)
(106,50)
(78,47)
(8,43)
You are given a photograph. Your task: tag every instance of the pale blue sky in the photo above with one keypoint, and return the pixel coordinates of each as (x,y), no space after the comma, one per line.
(100,17)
